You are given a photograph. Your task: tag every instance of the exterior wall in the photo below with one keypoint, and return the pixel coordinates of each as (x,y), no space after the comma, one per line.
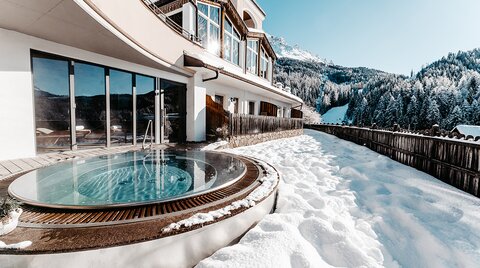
(249,6)
(196,109)
(189,18)
(243,96)
(17,119)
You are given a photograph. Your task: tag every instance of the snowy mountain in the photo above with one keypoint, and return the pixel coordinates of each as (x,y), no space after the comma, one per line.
(285,50)
(446,92)
(321,85)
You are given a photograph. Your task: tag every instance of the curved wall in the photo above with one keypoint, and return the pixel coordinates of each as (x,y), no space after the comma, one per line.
(139,25)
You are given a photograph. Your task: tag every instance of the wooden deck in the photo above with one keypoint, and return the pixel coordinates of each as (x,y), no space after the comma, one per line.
(33,216)
(54,231)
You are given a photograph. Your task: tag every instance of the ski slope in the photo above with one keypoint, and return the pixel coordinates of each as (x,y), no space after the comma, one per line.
(335,115)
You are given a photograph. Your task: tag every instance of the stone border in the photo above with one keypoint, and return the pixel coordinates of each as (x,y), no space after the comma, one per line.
(252,139)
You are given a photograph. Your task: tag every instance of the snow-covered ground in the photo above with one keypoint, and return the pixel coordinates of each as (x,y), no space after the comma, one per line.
(335,115)
(343,205)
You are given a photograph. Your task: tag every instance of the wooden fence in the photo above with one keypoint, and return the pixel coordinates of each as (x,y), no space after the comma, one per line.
(217,117)
(456,162)
(244,124)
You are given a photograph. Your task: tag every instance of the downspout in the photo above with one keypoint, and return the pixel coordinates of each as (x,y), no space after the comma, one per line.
(213,78)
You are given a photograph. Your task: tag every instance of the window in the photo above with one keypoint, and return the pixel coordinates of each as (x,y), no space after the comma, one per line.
(252,56)
(209,27)
(235,105)
(52,102)
(251,107)
(121,107)
(90,104)
(145,93)
(264,64)
(232,43)
(219,99)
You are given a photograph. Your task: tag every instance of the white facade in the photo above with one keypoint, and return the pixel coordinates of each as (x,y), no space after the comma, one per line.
(126,36)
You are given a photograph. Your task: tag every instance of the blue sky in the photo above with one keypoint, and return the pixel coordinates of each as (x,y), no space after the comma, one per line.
(394,36)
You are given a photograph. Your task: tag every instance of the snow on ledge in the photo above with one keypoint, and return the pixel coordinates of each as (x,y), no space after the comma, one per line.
(268,185)
(20,245)
(214,146)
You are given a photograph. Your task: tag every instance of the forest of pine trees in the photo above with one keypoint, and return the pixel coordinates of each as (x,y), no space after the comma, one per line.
(446,92)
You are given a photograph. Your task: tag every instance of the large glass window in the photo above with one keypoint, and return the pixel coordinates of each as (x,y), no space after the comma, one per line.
(52,102)
(90,104)
(174,95)
(121,107)
(232,43)
(145,92)
(264,64)
(209,27)
(252,56)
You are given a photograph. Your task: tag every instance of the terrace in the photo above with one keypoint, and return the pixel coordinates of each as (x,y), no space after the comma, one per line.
(119,228)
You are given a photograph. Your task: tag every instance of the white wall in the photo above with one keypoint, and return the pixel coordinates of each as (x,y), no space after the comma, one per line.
(244,96)
(256,14)
(196,109)
(17,120)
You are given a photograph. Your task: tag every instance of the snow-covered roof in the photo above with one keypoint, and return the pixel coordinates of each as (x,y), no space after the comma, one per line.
(253,30)
(468,130)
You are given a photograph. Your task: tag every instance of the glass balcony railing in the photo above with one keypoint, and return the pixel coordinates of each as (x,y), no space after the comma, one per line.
(171,23)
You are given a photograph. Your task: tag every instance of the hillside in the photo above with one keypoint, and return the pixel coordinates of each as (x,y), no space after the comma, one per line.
(446,92)
(320,84)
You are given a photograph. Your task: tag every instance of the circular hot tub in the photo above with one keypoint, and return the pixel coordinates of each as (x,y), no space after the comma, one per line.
(127,179)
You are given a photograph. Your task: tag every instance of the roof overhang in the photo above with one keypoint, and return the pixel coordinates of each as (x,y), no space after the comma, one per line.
(264,42)
(68,23)
(230,78)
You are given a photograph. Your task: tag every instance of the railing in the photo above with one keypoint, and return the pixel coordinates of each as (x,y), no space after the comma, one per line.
(243,124)
(149,127)
(172,24)
(454,161)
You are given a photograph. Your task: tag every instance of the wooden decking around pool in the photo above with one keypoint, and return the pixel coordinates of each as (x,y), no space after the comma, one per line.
(55,231)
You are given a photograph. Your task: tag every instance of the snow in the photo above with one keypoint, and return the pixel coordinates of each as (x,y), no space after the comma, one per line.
(335,115)
(20,245)
(311,116)
(215,146)
(254,30)
(469,130)
(341,204)
(269,182)
(284,50)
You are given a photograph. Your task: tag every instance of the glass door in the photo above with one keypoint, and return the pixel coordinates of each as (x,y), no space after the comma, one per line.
(145,106)
(52,102)
(121,108)
(174,111)
(90,102)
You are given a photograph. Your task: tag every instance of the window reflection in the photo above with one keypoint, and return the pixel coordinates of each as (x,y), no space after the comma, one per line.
(175,107)
(121,107)
(145,91)
(209,27)
(52,102)
(252,56)
(90,104)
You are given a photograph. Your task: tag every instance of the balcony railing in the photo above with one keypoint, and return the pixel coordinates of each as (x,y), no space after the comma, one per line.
(172,24)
